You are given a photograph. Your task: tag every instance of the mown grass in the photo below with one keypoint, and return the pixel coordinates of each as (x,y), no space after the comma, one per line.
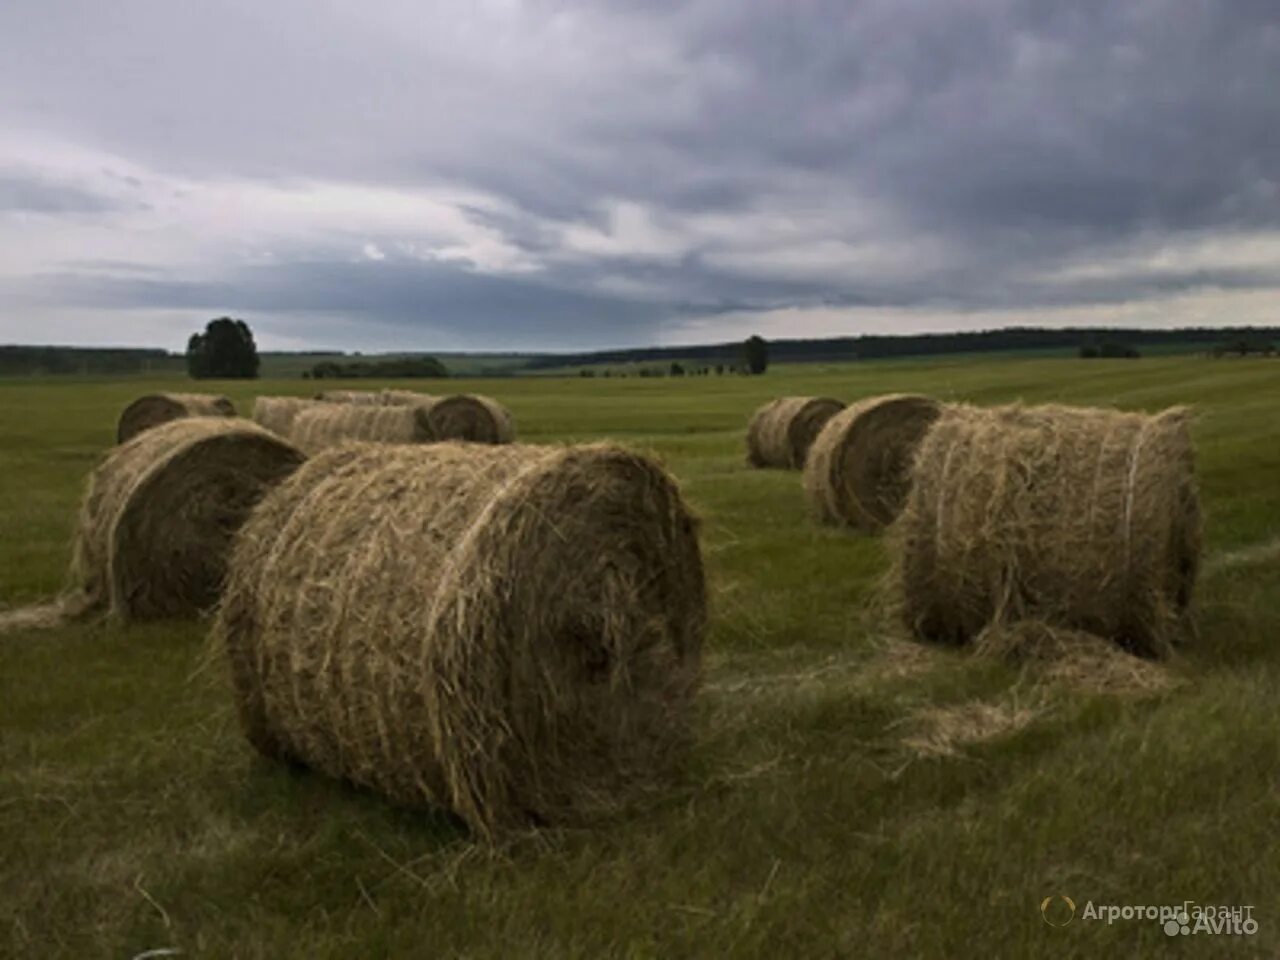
(133,816)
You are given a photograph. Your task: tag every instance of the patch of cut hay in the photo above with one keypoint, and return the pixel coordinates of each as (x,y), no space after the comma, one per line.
(159,514)
(780,433)
(858,472)
(1075,659)
(157,408)
(278,413)
(1084,519)
(513,633)
(328,424)
(471,417)
(939,732)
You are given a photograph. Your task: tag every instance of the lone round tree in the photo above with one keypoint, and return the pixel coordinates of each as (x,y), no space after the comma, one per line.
(755,352)
(225,351)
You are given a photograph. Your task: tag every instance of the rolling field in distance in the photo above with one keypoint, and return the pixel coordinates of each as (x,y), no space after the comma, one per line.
(849,794)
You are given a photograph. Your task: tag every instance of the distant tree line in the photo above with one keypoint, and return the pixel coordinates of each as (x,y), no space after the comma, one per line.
(84,361)
(397,367)
(1067,340)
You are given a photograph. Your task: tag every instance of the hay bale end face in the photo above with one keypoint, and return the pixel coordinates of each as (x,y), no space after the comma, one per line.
(471,417)
(328,424)
(512,633)
(157,408)
(1080,519)
(858,471)
(278,413)
(781,432)
(159,514)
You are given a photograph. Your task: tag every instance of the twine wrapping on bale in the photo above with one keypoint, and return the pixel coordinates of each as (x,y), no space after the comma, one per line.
(328,424)
(472,417)
(858,471)
(278,413)
(781,432)
(1085,520)
(159,514)
(157,408)
(513,633)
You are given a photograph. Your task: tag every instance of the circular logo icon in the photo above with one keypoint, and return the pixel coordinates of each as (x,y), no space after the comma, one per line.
(1058,911)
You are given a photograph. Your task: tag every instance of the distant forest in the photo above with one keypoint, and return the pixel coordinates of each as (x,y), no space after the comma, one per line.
(85,361)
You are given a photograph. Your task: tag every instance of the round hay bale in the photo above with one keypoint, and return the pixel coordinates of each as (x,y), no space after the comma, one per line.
(278,413)
(472,417)
(513,633)
(327,424)
(781,432)
(371,398)
(858,471)
(406,398)
(159,514)
(1081,519)
(157,408)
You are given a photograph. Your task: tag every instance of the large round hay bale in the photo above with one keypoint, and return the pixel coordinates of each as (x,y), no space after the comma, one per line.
(781,432)
(157,408)
(278,413)
(472,417)
(327,424)
(513,633)
(1081,519)
(160,511)
(858,471)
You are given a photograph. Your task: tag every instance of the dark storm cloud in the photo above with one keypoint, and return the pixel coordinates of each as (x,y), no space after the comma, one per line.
(989,145)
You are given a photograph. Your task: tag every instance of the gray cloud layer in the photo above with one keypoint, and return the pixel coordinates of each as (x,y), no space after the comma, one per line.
(603,172)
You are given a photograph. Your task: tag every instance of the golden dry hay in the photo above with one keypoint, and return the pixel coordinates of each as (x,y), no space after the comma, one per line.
(858,471)
(472,417)
(780,433)
(327,424)
(372,398)
(157,408)
(510,632)
(159,513)
(406,398)
(1081,519)
(277,413)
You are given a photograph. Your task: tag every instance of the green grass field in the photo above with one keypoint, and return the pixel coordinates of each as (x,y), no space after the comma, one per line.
(809,823)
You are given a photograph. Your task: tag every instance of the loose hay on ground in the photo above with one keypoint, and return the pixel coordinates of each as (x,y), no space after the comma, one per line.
(858,472)
(780,433)
(1082,519)
(513,633)
(157,408)
(159,513)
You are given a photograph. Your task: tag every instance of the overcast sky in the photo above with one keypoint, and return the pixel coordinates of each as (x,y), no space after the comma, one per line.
(393,174)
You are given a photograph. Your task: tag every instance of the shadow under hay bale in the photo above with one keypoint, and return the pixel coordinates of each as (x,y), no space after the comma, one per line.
(278,413)
(1082,519)
(157,408)
(513,633)
(858,471)
(159,514)
(781,432)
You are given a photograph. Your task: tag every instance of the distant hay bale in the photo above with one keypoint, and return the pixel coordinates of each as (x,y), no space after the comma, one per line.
(328,424)
(1082,519)
(406,398)
(157,408)
(512,633)
(781,432)
(372,398)
(159,513)
(472,417)
(858,471)
(277,413)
